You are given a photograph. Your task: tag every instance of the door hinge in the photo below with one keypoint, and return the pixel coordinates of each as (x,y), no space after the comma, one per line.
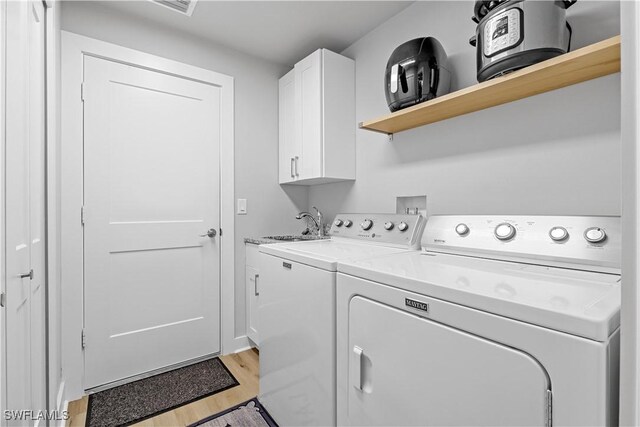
(82,91)
(549,417)
(3,298)
(82,215)
(84,339)
(221,232)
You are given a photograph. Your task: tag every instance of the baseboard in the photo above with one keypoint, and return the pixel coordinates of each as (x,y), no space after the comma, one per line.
(237,345)
(240,350)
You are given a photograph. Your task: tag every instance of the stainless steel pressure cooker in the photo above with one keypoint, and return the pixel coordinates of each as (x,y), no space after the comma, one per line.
(513,34)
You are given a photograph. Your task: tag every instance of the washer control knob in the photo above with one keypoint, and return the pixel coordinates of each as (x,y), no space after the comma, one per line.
(348,223)
(366,224)
(595,235)
(388,225)
(505,231)
(558,234)
(403,226)
(338,223)
(462,229)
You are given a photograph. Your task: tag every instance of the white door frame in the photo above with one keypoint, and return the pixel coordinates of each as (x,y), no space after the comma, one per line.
(74,48)
(630,133)
(3,38)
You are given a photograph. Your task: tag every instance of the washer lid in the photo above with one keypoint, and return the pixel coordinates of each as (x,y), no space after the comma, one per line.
(325,254)
(586,304)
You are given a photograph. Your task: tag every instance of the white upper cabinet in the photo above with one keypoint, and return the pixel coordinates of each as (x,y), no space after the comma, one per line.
(317,120)
(287,127)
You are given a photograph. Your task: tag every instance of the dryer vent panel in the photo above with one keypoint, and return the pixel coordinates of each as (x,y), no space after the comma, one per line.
(182,6)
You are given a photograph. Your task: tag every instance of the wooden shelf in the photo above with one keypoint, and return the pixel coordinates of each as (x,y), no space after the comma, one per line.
(590,62)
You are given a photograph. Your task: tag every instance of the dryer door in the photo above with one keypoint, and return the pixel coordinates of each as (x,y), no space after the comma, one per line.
(408,370)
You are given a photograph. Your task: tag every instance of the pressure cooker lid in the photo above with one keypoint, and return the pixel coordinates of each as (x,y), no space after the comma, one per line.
(482,7)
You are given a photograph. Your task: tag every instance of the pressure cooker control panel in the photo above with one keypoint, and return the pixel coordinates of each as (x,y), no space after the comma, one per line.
(549,240)
(502,32)
(393,229)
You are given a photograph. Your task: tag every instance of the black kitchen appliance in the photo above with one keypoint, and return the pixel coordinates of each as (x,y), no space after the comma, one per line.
(416,72)
(513,34)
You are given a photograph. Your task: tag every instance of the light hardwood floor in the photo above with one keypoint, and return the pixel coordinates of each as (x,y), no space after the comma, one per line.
(244,366)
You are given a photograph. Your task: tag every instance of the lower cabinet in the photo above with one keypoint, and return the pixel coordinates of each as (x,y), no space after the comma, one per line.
(252,291)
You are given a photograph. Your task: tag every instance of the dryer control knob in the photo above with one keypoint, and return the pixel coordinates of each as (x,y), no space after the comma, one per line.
(388,225)
(348,223)
(403,226)
(505,231)
(462,229)
(558,234)
(338,223)
(366,224)
(595,235)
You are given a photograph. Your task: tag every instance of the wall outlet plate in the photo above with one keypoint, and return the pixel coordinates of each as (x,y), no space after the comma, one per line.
(411,205)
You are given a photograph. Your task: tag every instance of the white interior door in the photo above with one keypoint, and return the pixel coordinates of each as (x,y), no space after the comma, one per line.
(408,370)
(151,176)
(25,207)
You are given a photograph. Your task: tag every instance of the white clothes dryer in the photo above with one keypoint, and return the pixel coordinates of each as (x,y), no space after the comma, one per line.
(500,321)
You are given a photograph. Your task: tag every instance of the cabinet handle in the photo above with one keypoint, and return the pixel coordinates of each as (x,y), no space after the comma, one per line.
(255,285)
(297,166)
(292,173)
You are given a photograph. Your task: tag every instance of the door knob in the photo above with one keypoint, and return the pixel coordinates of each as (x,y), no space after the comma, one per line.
(210,233)
(29,275)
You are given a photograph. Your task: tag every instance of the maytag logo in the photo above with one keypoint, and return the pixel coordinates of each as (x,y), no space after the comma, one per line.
(439,241)
(416,304)
(286,265)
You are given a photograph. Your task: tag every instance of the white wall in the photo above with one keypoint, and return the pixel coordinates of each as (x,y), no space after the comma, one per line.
(555,153)
(271,209)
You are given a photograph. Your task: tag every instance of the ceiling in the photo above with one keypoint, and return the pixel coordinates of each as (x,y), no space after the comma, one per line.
(279,31)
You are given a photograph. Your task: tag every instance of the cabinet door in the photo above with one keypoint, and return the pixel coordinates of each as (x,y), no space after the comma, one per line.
(287,128)
(308,97)
(252,277)
(408,370)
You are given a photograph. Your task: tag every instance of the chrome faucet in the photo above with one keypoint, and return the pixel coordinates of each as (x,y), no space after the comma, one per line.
(318,222)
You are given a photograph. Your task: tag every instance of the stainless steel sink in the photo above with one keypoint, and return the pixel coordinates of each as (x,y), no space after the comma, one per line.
(291,238)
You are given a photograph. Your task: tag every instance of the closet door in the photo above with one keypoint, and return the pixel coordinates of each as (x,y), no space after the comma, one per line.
(408,370)
(25,207)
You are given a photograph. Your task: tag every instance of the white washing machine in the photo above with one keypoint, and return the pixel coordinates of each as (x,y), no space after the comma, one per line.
(297,312)
(501,321)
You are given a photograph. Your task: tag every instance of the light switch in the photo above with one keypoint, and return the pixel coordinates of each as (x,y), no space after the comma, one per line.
(242,206)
